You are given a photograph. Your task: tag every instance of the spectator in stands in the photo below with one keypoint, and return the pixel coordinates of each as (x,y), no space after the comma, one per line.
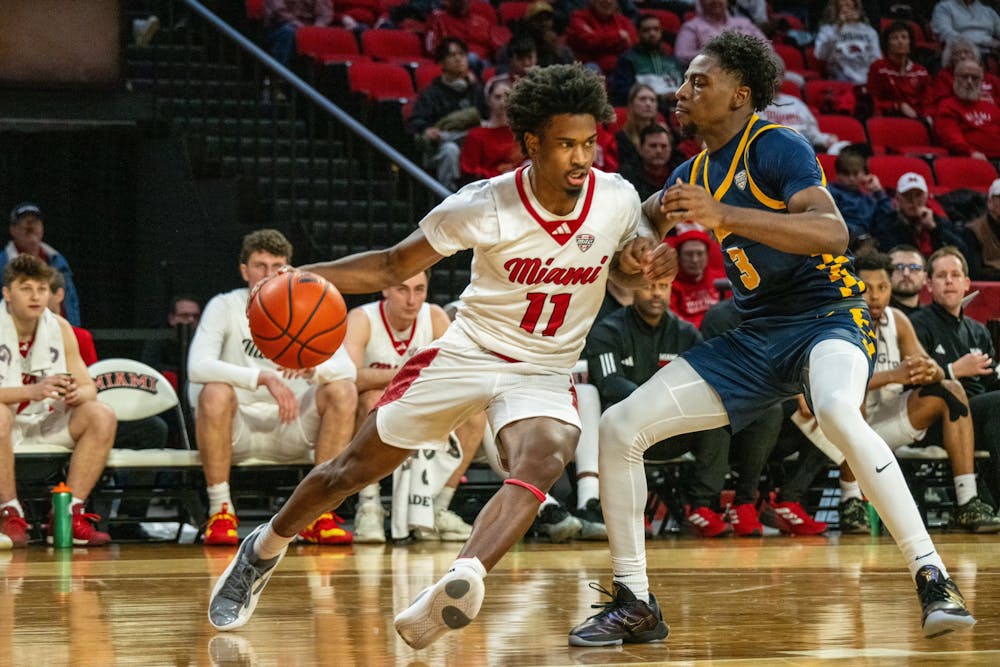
(646,63)
(792,111)
(283,18)
(967,18)
(165,355)
(599,34)
(641,113)
(455,20)
(907,395)
(847,42)
(517,57)
(491,149)
(539,24)
(898,85)
(908,276)
(964,348)
(955,51)
(624,350)
(657,161)
(381,337)
(27,229)
(48,397)
(693,291)
(445,110)
(246,405)
(982,237)
(858,194)
(711,20)
(913,222)
(964,123)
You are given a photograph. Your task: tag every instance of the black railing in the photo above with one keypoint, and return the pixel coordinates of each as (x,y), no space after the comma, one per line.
(319,171)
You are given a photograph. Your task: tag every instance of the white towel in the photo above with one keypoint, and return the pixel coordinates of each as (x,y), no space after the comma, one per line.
(417,482)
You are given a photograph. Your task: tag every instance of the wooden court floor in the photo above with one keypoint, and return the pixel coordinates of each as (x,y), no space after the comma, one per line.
(770,601)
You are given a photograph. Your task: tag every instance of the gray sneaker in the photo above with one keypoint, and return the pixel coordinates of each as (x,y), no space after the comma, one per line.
(944,607)
(974,516)
(237,591)
(592,519)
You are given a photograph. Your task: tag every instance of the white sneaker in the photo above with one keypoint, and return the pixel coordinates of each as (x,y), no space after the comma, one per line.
(238,590)
(450,527)
(369,523)
(450,604)
(5,542)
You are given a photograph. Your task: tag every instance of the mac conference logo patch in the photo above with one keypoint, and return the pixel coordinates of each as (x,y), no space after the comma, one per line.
(584,241)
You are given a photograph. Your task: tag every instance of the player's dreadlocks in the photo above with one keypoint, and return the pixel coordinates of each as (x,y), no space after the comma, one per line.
(748,58)
(550,91)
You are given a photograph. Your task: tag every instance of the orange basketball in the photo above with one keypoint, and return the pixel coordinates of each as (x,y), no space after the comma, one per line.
(297,319)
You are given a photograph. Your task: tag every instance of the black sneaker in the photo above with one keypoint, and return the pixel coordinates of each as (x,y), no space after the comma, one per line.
(624,619)
(854,517)
(943,604)
(974,516)
(592,519)
(558,524)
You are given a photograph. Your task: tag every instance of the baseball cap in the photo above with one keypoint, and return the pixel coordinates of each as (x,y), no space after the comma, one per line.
(909,181)
(690,235)
(538,8)
(25,208)
(995,188)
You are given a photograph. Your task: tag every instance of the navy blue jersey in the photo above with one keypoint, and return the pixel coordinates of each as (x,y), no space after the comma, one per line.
(763,167)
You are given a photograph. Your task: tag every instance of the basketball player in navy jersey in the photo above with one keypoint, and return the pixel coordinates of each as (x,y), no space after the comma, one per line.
(805,329)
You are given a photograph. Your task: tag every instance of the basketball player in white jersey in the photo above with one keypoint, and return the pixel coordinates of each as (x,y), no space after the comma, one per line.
(902,415)
(545,240)
(48,397)
(246,406)
(381,337)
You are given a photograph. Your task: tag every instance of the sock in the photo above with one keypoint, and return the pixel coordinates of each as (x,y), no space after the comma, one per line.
(443,499)
(586,488)
(269,544)
(16,504)
(965,488)
(74,502)
(218,495)
(638,583)
(549,500)
(472,563)
(849,490)
(370,494)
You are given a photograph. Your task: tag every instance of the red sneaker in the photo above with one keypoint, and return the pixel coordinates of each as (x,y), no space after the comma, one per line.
(743,519)
(326,530)
(707,523)
(13,525)
(791,518)
(220,530)
(85,533)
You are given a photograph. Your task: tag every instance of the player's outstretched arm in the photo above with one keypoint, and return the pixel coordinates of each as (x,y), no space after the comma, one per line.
(813,224)
(374,270)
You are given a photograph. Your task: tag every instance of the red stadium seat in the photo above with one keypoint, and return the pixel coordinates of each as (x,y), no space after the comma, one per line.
(794,60)
(393,46)
(953,173)
(789,87)
(381,81)
(327,44)
(362,11)
(847,128)
(425,73)
(512,11)
(889,168)
(828,162)
(255,9)
(831,96)
(906,136)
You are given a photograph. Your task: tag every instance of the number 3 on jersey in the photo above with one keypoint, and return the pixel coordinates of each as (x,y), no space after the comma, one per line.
(748,274)
(536,303)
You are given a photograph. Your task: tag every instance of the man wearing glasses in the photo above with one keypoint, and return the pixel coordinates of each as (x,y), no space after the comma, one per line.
(908,278)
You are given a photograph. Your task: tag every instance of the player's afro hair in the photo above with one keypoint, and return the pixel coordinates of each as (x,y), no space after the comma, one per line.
(545,92)
(749,59)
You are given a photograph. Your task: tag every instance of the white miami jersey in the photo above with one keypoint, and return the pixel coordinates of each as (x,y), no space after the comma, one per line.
(537,280)
(388,348)
(887,358)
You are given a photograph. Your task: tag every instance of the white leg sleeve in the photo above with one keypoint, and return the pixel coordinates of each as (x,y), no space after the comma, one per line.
(674,401)
(838,376)
(589,404)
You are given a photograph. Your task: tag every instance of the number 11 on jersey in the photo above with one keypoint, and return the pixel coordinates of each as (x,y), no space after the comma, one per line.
(536,302)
